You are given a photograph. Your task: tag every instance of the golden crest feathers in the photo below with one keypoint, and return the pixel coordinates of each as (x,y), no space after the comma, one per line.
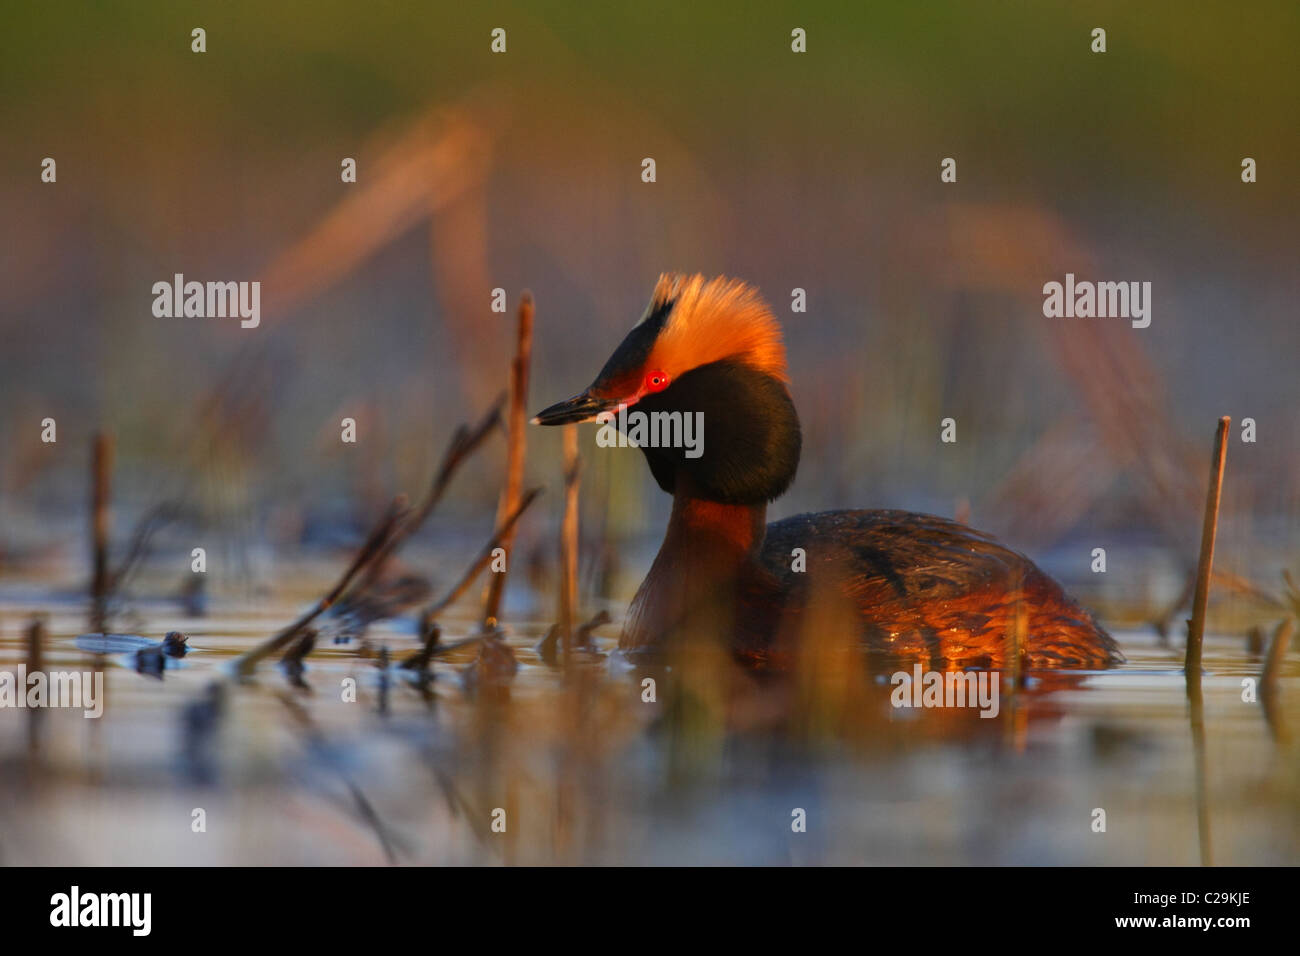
(712,320)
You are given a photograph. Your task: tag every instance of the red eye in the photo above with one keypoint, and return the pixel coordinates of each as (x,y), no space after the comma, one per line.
(656,381)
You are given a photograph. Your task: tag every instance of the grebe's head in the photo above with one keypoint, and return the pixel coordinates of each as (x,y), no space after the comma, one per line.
(713,347)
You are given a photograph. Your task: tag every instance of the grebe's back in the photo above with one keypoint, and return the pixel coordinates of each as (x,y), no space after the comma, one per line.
(926,588)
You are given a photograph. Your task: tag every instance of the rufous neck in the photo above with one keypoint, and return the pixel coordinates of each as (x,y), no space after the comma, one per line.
(708,549)
(709,530)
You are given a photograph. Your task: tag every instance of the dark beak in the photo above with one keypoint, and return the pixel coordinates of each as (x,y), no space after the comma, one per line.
(580,408)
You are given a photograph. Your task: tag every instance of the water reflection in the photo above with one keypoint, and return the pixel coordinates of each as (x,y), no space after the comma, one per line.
(341,758)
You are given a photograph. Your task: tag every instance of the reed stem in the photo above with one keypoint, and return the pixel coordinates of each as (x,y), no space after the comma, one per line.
(101,524)
(517,423)
(569,542)
(1204,568)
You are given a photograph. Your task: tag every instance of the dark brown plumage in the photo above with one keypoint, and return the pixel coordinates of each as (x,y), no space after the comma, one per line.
(925,587)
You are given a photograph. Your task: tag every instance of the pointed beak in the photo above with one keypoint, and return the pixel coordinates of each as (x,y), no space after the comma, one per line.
(580,408)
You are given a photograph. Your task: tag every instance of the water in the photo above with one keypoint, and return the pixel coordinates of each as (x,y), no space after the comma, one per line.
(585,771)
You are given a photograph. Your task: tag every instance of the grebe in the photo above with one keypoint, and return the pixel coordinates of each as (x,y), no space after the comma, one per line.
(910,586)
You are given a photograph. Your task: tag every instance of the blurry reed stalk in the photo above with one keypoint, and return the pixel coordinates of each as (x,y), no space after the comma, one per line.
(1269,692)
(35,664)
(1198,754)
(463,443)
(484,557)
(1226,580)
(148,525)
(397,513)
(517,423)
(569,543)
(1277,649)
(1204,568)
(829,685)
(1195,637)
(100,523)
(1017,672)
(1017,643)
(35,645)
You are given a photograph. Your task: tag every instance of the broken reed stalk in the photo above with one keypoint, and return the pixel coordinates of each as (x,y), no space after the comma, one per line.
(36,645)
(518,423)
(1209,529)
(1235,583)
(1269,693)
(100,522)
(431,635)
(463,444)
(599,619)
(35,664)
(484,556)
(1276,654)
(569,542)
(392,518)
(149,524)
(450,647)
(1238,584)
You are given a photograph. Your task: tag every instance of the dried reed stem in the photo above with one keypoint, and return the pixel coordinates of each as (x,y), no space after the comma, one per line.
(1204,568)
(1269,691)
(392,518)
(463,443)
(569,542)
(149,524)
(100,523)
(1277,649)
(1195,636)
(518,423)
(484,556)
(35,664)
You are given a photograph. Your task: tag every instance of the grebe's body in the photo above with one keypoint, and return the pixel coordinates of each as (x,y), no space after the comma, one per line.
(909,586)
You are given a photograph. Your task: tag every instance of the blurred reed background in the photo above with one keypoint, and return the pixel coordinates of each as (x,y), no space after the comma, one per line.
(818,171)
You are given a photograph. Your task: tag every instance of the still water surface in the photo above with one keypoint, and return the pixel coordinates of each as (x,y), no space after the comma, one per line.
(401,774)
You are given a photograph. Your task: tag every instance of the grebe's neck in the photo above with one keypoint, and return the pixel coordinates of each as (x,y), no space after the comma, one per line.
(709,529)
(748,456)
(707,548)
